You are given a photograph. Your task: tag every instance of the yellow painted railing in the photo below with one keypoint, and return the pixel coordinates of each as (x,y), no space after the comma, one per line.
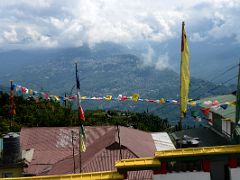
(84,176)
(140,163)
(201,151)
(137,163)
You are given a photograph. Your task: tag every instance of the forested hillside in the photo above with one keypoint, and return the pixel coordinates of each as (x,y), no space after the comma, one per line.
(42,113)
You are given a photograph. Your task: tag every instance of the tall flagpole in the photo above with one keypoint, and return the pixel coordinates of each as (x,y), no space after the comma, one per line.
(12,106)
(73,153)
(78,104)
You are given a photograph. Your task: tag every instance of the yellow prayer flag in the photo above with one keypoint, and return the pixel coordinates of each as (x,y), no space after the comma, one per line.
(135,97)
(82,144)
(57,98)
(30,91)
(184,73)
(233,103)
(109,97)
(162,101)
(83,97)
(193,103)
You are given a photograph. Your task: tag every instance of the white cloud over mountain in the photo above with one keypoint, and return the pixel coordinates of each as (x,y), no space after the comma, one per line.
(51,23)
(151,59)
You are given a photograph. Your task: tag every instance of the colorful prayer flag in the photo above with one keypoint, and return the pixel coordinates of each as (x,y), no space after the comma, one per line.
(205,111)
(81,113)
(184,71)
(82,138)
(124,98)
(83,97)
(108,97)
(215,102)
(24,90)
(194,114)
(224,106)
(135,97)
(193,103)
(162,101)
(57,98)
(30,91)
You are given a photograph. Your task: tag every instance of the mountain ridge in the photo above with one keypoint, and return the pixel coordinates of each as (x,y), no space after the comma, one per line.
(102,72)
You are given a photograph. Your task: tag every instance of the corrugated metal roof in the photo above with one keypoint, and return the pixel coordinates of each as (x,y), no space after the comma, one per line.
(143,175)
(53,148)
(139,142)
(228,113)
(102,161)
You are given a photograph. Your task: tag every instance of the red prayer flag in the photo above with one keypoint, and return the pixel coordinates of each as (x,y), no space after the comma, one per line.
(150,100)
(205,111)
(81,113)
(24,90)
(123,98)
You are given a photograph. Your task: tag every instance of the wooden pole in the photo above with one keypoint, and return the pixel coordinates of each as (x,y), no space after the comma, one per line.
(119,142)
(78,105)
(11,105)
(73,153)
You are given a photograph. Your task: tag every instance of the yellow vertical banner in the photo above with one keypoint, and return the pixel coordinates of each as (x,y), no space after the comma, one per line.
(184,73)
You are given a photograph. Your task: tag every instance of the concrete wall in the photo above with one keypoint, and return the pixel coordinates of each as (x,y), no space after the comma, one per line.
(218,169)
(183,176)
(234,173)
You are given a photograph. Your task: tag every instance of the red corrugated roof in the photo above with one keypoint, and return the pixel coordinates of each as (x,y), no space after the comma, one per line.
(53,148)
(102,161)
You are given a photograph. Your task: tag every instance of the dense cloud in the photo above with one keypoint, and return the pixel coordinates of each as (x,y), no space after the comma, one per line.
(51,23)
(140,23)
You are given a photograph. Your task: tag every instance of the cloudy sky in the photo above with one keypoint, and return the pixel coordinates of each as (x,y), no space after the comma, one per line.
(61,23)
(153,27)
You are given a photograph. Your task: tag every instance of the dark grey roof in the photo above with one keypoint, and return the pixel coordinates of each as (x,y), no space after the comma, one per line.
(206,135)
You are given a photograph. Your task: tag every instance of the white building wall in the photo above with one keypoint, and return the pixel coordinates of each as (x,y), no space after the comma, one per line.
(183,176)
(234,173)
(226,127)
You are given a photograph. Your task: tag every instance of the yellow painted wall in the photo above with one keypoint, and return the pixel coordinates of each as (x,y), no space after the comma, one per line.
(105,175)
